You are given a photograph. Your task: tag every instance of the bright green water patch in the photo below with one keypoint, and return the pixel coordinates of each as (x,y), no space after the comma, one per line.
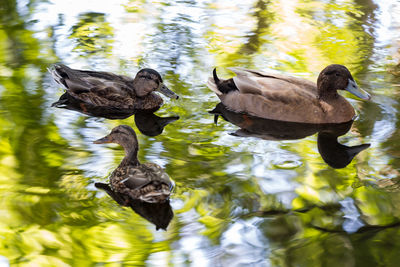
(237,200)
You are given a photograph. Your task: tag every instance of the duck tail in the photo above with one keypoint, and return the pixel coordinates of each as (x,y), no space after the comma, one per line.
(59,74)
(69,78)
(216,79)
(213,82)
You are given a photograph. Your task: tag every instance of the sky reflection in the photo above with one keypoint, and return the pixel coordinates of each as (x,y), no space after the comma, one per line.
(237,200)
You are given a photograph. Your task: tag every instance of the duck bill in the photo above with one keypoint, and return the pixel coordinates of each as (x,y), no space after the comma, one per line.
(165,91)
(104,140)
(353,88)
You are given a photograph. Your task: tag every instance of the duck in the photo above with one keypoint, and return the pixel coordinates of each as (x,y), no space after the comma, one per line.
(146,182)
(287,98)
(105,92)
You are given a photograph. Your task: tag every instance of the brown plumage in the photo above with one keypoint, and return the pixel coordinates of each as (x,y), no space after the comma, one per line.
(110,91)
(147,182)
(287,98)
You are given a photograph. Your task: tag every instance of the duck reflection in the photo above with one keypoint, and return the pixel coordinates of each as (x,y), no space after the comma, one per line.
(160,214)
(137,184)
(335,154)
(147,122)
(150,124)
(66,101)
(332,152)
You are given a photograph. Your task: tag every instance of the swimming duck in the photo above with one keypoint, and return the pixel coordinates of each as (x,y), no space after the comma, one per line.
(147,182)
(115,94)
(287,98)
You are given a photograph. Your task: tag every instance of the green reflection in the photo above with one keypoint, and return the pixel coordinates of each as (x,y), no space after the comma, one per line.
(52,215)
(93,35)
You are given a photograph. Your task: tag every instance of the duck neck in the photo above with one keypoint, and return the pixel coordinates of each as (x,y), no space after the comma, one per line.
(328,96)
(131,153)
(326,90)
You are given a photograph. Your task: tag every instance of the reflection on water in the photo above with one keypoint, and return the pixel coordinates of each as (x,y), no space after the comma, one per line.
(148,123)
(160,214)
(334,154)
(152,125)
(238,201)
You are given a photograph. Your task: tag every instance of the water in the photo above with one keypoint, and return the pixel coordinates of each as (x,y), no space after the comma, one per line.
(238,201)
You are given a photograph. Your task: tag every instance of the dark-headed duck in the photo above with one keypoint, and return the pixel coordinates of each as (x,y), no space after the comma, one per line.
(287,98)
(117,93)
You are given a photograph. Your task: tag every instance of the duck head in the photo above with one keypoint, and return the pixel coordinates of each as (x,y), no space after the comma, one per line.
(149,80)
(122,135)
(338,77)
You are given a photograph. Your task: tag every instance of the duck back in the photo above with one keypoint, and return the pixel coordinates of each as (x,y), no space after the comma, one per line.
(280,97)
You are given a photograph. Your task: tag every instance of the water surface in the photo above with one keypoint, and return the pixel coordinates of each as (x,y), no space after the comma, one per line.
(238,201)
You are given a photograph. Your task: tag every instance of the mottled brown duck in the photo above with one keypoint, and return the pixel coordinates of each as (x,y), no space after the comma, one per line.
(105,92)
(287,98)
(144,181)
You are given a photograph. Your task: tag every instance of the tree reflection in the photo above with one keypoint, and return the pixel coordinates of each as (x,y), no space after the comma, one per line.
(52,218)
(93,34)
(305,213)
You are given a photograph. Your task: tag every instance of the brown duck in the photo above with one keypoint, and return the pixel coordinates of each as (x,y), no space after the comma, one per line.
(108,91)
(287,98)
(147,182)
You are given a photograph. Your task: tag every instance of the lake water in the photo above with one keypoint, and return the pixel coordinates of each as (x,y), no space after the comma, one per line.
(240,199)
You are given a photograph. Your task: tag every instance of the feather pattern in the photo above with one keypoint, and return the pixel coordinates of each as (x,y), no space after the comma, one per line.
(146,182)
(104,89)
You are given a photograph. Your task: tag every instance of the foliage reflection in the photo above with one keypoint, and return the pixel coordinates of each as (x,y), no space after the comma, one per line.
(237,200)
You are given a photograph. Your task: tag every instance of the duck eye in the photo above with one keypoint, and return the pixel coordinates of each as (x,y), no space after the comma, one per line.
(337,74)
(147,77)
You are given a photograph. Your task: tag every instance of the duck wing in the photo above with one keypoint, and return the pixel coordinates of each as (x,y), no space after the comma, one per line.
(137,177)
(257,82)
(84,81)
(94,87)
(272,96)
(147,182)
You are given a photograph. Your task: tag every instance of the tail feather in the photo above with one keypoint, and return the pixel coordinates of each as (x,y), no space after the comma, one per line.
(69,78)
(213,82)
(213,86)
(58,74)
(221,87)
(216,79)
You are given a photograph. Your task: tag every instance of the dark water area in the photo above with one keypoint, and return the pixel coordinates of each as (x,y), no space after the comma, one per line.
(247,193)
